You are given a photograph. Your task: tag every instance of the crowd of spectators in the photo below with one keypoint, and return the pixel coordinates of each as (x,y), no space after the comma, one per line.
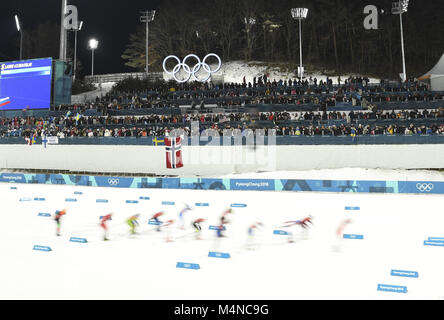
(285,123)
(261,91)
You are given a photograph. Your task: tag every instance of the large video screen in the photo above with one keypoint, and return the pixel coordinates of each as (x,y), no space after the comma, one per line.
(25,84)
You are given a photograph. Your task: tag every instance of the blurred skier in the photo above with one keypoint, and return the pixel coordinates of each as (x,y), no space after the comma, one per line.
(104,226)
(341,227)
(252,228)
(339,233)
(198,228)
(58,216)
(156,217)
(182,214)
(223,222)
(133,223)
(304,223)
(251,234)
(167,224)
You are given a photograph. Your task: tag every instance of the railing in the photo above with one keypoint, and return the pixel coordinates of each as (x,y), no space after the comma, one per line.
(153,76)
(280,140)
(116,77)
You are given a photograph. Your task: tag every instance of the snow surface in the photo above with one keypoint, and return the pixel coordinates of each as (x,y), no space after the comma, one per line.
(317,265)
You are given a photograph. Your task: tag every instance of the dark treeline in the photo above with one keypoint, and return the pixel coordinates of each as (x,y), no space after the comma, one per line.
(334,37)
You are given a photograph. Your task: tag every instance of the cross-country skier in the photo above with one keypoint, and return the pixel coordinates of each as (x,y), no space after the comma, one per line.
(104,226)
(167,224)
(156,217)
(58,216)
(198,228)
(304,223)
(339,234)
(133,223)
(223,222)
(251,234)
(182,214)
(341,227)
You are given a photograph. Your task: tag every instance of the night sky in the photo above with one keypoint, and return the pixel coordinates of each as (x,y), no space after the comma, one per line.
(110,21)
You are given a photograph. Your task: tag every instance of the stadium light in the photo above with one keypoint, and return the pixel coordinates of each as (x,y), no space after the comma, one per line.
(78,28)
(17,22)
(401,7)
(147,17)
(93,44)
(300,14)
(19,29)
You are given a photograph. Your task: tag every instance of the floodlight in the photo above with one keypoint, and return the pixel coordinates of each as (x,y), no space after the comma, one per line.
(17,22)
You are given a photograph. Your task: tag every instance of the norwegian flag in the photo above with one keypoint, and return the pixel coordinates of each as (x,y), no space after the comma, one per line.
(173,147)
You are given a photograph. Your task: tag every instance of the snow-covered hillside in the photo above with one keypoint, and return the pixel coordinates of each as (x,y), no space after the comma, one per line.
(234,71)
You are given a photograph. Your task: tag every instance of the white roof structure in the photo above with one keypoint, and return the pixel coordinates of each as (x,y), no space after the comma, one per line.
(435,76)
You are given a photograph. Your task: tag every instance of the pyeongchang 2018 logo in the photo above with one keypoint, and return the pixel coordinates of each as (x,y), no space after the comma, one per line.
(252,184)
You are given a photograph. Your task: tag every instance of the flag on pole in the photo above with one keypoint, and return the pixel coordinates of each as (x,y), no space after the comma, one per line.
(173,147)
(157,141)
(31,140)
(44,141)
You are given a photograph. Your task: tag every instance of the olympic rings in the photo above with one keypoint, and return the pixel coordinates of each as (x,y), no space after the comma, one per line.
(425,187)
(113,181)
(191,72)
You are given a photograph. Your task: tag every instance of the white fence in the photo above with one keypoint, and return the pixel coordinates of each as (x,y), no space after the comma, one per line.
(212,160)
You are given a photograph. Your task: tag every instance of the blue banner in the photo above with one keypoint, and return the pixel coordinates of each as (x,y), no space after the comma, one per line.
(294,185)
(186,265)
(392,288)
(80,240)
(402,273)
(221,255)
(41,248)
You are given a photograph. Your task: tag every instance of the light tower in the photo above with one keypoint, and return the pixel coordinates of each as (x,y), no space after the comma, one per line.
(76,29)
(147,17)
(300,14)
(19,29)
(93,44)
(401,7)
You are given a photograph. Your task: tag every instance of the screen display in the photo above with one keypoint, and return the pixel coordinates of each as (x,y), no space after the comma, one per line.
(25,84)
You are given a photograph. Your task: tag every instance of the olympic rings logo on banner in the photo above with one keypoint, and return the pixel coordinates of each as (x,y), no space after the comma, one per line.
(424,187)
(113,181)
(191,72)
